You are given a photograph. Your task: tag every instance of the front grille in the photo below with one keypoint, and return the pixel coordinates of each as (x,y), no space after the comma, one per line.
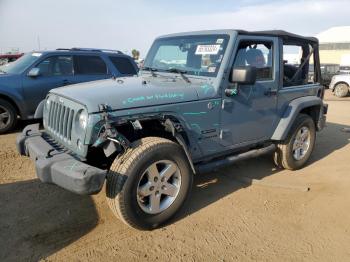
(60,120)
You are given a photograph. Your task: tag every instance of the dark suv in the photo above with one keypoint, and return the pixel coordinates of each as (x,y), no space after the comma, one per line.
(26,82)
(327,72)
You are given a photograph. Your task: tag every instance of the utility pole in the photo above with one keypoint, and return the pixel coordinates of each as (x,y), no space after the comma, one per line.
(38,43)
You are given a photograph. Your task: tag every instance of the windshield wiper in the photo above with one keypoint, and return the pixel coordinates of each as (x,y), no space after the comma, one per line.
(151,69)
(179,71)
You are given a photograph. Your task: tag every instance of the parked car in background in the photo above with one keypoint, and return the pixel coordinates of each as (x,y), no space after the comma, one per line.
(344,69)
(8,58)
(345,64)
(340,85)
(26,82)
(327,72)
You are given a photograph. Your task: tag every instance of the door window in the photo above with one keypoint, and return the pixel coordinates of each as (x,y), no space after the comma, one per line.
(332,69)
(89,65)
(123,65)
(257,54)
(298,66)
(56,66)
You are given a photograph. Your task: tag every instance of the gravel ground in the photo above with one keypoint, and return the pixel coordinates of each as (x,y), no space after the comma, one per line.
(224,220)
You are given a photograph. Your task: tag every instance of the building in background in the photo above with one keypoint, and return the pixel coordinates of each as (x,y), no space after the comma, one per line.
(335,46)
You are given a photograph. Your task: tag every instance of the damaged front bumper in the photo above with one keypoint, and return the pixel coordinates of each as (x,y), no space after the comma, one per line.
(56,166)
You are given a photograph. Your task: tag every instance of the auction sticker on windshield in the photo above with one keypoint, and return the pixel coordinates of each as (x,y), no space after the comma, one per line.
(207,49)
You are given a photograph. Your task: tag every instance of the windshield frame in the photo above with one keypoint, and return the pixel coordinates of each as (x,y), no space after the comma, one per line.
(16,68)
(149,60)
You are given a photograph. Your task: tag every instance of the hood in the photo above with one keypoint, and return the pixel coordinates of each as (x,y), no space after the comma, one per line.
(9,81)
(129,92)
(345,77)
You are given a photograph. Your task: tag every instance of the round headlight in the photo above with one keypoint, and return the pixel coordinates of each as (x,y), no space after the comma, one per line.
(83,119)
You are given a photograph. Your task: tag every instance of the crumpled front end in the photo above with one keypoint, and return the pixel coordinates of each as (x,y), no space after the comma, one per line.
(55,165)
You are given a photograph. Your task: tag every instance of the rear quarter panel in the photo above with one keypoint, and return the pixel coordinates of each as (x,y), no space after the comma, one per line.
(288,105)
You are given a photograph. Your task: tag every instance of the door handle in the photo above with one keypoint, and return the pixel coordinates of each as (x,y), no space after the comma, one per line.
(270,92)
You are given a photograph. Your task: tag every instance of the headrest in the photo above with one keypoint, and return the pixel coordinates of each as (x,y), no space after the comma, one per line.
(255,57)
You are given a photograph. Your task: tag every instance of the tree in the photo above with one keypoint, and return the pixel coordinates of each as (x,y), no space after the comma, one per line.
(135,54)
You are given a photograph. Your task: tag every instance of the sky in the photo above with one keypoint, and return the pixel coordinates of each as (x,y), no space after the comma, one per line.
(124,25)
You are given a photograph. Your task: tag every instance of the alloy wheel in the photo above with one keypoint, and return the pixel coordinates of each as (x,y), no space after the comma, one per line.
(159,186)
(301,143)
(5,117)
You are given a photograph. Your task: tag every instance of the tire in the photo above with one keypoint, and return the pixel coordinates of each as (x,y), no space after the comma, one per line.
(8,116)
(129,175)
(285,156)
(341,90)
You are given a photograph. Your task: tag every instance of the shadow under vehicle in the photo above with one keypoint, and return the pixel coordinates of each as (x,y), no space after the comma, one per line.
(37,220)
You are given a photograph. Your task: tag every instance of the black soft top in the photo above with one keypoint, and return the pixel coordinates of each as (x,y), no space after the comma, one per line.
(286,36)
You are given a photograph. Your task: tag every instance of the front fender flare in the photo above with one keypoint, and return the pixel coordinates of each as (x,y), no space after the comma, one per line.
(39,112)
(290,114)
(169,125)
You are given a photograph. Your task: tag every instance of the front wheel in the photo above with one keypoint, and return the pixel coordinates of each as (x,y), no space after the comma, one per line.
(295,151)
(149,183)
(8,116)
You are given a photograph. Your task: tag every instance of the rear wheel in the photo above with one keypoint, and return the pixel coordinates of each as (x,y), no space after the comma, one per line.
(149,183)
(341,90)
(295,151)
(8,116)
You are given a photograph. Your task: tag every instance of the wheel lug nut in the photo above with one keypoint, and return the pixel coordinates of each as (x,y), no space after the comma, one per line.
(157,193)
(162,179)
(151,188)
(163,187)
(155,179)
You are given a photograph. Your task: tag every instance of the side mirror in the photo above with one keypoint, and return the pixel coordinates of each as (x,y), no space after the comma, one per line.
(34,72)
(245,75)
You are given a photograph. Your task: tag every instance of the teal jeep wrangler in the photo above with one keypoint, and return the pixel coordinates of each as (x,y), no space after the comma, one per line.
(203,100)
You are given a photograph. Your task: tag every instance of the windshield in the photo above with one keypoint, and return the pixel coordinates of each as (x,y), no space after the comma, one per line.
(194,55)
(21,64)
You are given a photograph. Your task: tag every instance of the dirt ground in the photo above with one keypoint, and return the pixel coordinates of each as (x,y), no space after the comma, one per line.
(224,220)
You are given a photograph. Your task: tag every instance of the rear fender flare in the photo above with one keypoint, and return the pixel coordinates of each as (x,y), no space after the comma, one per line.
(290,114)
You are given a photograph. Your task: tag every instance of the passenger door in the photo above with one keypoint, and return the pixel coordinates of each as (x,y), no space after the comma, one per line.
(55,71)
(250,116)
(89,68)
